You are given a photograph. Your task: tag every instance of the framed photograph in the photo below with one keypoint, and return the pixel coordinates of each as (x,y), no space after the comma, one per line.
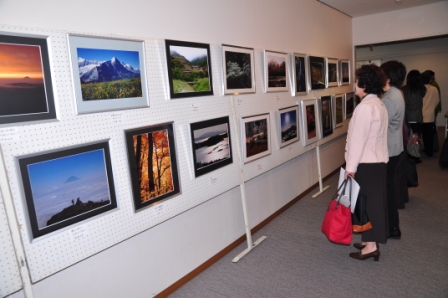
(67,186)
(332,79)
(26,91)
(275,71)
(108,74)
(189,69)
(238,67)
(299,74)
(152,164)
(255,136)
(317,72)
(339,110)
(344,76)
(349,102)
(326,115)
(211,143)
(310,121)
(288,124)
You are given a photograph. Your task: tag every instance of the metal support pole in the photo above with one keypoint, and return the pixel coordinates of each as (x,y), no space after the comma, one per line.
(250,245)
(321,190)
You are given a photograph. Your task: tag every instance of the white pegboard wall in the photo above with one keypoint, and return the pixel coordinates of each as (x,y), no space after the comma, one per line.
(60,249)
(10,280)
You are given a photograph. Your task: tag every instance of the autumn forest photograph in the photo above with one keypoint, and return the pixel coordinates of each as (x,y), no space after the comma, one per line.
(153,165)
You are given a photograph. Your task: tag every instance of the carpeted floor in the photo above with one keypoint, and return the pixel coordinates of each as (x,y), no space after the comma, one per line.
(296,260)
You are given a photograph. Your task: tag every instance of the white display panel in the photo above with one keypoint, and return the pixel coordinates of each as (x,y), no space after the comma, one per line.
(10,281)
(53,252)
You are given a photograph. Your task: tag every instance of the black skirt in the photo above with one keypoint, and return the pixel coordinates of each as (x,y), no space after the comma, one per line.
(371,178)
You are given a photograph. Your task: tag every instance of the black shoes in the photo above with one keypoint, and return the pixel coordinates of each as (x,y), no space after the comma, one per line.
(359,256)
(395,233)
(359,245)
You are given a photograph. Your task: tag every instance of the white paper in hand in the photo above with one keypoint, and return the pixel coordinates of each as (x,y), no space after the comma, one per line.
(351,191)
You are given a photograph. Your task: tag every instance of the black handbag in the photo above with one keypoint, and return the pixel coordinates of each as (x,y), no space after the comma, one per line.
(360,219)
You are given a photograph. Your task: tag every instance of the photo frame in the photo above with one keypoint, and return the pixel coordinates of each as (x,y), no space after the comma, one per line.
(108,74)
(326,115)
(157,141)
(349,103)
(332,77)
(310,121)
(211,145)
(344,72)
(255,137)
(276,65)
(189,69)
(299,74)
(238,69)
(26,89)
(288,126)
(317,72)
(339,110)
(67,186)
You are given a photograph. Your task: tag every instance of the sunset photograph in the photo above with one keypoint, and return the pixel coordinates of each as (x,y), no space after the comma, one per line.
(25,80)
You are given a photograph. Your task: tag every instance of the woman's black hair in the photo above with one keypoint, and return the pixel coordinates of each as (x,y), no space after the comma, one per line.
(415,84)
(395,71)
(371,78)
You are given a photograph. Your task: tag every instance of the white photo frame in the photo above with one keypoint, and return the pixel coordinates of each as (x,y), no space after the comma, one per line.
(310,121)
(344,72)
(288,128)
(276,65)
(238,69)
(299,74)
(326,115)
(332,72)
(339,110)
(124,59)
(255,137)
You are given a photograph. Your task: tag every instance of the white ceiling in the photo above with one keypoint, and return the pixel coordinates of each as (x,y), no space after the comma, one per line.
(357,8)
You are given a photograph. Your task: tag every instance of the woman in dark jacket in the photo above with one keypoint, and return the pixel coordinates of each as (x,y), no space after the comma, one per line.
(413,92)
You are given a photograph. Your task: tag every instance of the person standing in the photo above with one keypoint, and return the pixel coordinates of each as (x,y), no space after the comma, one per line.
(366,157)
(430,102)
(413,92)
(396,182)
(432,82)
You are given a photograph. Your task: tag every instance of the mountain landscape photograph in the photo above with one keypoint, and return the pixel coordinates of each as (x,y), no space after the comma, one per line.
(256,137)
(300,74)
(22,88)
(67,187)
(109,74)
(189,69)
(211,145)
(276,71)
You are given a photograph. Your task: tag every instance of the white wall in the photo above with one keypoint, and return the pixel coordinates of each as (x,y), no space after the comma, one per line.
(147,263)
(421,54)
(410,23)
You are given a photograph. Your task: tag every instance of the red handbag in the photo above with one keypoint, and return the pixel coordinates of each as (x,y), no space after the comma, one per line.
(337,224)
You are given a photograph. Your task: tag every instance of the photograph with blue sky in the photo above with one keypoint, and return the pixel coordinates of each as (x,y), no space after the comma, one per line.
(55,183)
(127,57)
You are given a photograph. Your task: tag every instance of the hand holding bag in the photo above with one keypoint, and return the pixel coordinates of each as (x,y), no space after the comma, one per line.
(413,146)
(337,223)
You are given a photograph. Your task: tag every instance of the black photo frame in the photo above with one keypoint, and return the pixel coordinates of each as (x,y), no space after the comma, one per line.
(163,182)
(317,72)
(326,115)
(26,90)
(211,145)
(187,74)
(67,186)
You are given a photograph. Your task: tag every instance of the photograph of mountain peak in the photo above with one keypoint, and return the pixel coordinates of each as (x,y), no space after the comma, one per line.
(108,74)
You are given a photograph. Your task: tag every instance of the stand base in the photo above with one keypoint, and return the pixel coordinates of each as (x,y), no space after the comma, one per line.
(247,250)
(323,189)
